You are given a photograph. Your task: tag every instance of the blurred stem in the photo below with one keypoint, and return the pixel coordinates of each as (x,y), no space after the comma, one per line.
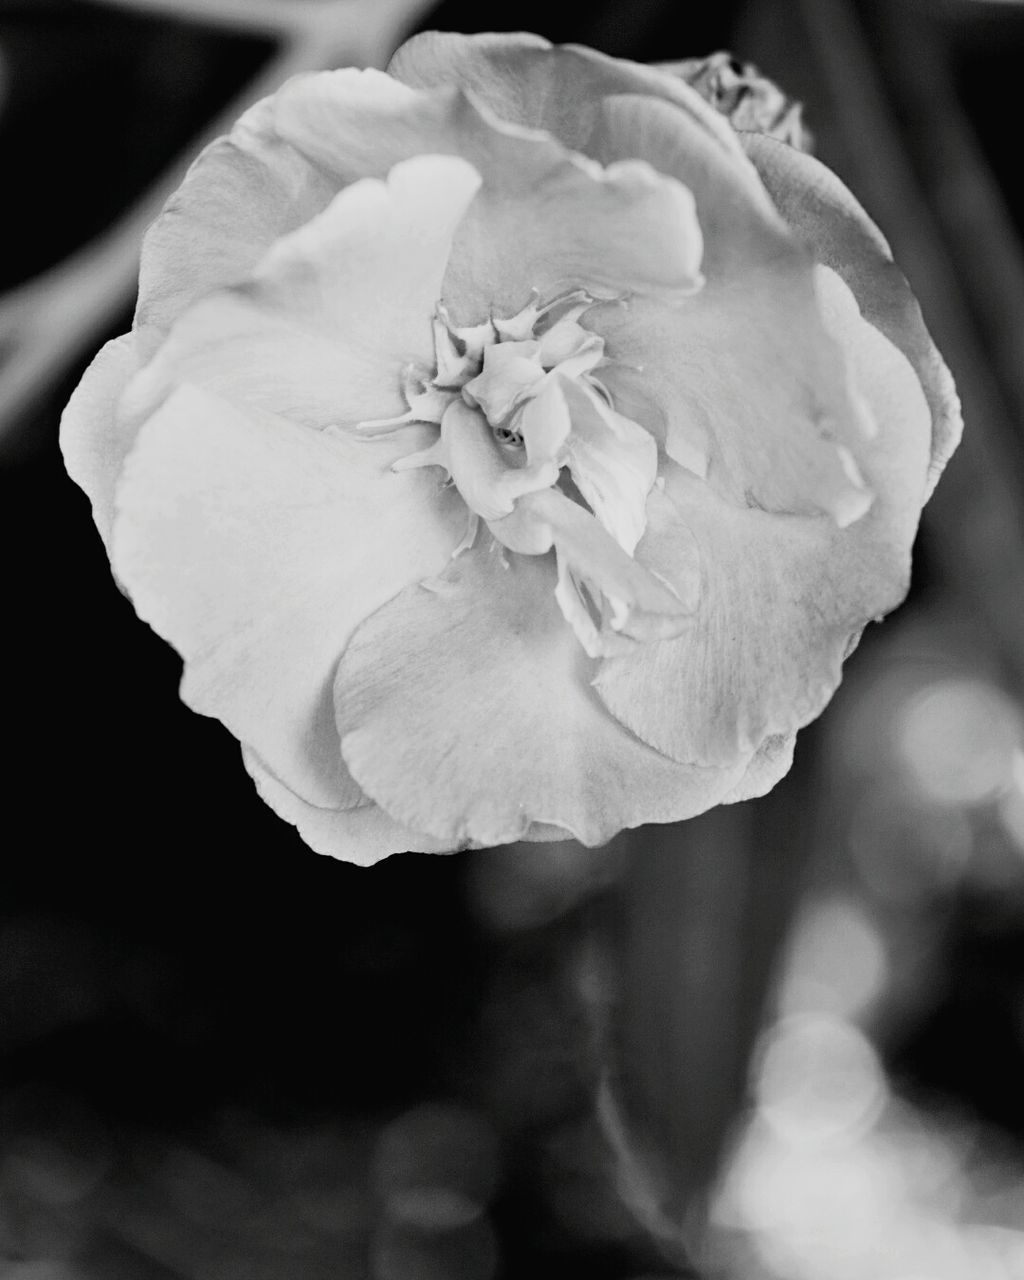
(256,17)
(705,907)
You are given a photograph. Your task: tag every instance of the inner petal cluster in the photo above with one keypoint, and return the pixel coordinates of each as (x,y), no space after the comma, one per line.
(528,434)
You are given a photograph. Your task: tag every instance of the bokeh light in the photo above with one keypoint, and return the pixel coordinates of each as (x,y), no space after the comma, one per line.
(838,1172)
(1011,802)
(905,850)
(957,739)
(837,960)
(820,1082)
(437,1167)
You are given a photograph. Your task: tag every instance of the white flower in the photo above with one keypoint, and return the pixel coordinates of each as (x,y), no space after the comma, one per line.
(509,447)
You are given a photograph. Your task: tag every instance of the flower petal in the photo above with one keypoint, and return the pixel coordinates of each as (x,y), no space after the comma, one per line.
(247,190)
(468,451)
(768,766)
(240,195)
(362,835)
(510,369)
(559,88)
(818,206)
(544,216)
(743,231)
(255,547)
(545,423)
(367,272)
(620,229)
(465,711)
(783,598)
(634,603)
(614,463)
(748,372)
(94,437)
(333,311)
(756,272)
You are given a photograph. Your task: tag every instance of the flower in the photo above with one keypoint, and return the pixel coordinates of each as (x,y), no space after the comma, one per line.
(510,448)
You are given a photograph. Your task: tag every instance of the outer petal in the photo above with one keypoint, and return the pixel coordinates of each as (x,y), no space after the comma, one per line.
(742,229)
(352,123)
(843,237)
(784,598)
(93,436)
(363,835)
(757,405)
(544,215)
(527,81)
(255,547)
(768,766)
(465,710)
(240,195)
(749,374)
(332,312)
(247,190)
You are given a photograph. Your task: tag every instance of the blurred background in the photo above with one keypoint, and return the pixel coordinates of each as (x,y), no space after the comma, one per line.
(783,1042)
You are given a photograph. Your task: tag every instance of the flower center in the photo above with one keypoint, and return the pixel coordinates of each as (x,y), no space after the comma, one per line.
(532,380)
(530,437)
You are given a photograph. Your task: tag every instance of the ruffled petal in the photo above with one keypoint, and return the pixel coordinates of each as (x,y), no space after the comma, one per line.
(614,463)
(743,230)
(247,190)
(510,369)
(469,453)
(255,547)
(627,602)
(241,194)
(748,372)
(559,88)
(466,711)
(783,598)
(334,311)
(801,455)
(544,217)
(353,123)
(615,230)
(94,437)
(842,236)
(545,423)
(367,272)
(768,766)
(363,835)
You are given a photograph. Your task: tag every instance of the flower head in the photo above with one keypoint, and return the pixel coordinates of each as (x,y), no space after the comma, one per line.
(510,448)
